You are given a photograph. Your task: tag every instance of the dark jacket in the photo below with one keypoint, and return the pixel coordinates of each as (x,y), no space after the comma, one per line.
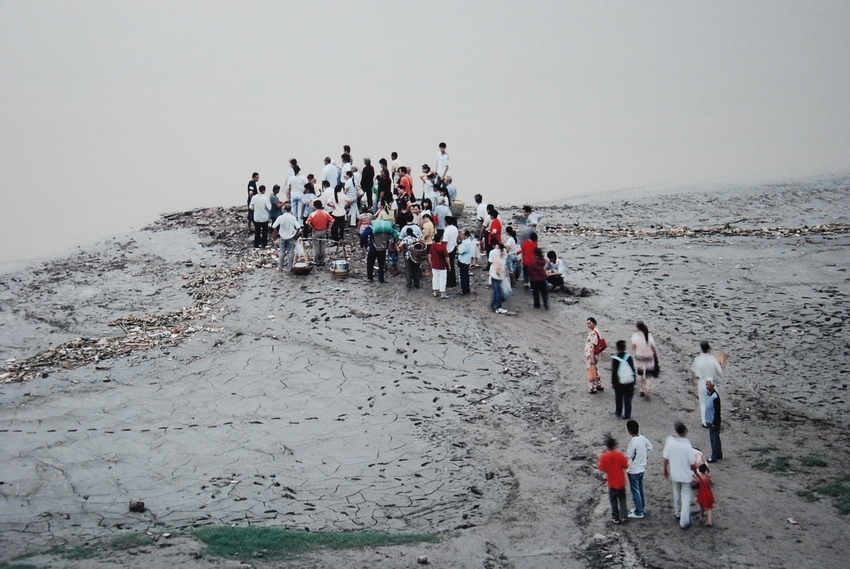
(714,419)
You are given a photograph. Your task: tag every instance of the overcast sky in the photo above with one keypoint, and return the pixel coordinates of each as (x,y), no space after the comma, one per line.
(115,112)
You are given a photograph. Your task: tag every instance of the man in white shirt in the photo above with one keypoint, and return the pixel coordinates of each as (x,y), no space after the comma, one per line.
(450,235)
(288,227)
(679,464)
(638,455)
(262,207)
(346,165)
(330,173)
(350,187)
(395,165)
(705,368)
(442,163)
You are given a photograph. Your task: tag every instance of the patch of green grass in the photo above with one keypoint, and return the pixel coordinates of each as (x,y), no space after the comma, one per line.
(131,540)
(17,566)
(778,464)
(808,496)
(839,491)
(813,460)
(271,543)
(76,553)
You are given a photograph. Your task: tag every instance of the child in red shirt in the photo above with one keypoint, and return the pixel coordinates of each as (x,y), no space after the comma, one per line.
(705,497)
(614,464)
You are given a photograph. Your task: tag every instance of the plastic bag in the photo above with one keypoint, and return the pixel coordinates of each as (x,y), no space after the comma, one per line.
(506,288)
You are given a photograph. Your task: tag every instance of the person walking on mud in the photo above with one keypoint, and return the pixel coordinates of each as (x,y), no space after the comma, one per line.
(593,346)
(705,368)
(645,354)
(614,464)
(679,465)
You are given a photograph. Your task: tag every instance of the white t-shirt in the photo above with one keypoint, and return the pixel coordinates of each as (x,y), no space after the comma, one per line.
(638,454)
(331,174)
(262,206)
(429,192)
(532,219)
(680,454)
(643,349)
(296,186)
(327,198)
(481,212)
(706,367)
(450,237)
(510,245)
(286,224)
(351,189)
(442,164)
(497,264)
(338,206)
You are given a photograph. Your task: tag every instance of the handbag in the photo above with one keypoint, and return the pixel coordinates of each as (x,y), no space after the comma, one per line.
(657,369)
(600,346)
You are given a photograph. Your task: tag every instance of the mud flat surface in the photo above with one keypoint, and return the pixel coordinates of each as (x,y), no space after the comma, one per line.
(176,366)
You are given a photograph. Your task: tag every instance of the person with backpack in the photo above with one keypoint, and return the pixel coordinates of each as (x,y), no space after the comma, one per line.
(623,380)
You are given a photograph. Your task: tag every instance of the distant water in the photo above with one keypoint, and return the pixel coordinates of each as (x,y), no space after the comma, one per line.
(115,112)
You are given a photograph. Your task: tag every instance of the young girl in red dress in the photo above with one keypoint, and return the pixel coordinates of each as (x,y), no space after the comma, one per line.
(705,497)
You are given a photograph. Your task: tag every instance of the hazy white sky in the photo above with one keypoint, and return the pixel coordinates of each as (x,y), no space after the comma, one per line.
(114,112)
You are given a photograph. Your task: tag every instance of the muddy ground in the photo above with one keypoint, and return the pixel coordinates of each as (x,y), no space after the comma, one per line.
(175,365)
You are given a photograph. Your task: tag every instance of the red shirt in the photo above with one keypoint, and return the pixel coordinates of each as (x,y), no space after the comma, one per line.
(437,255)
(528,247)
(495,231)
(320,220)
(537,270)
(614,463)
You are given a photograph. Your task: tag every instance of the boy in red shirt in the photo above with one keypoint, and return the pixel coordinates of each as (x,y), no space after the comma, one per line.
(614,464)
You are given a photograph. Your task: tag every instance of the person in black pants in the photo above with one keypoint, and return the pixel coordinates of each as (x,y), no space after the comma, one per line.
(712,417)
(623,380)
(367,178)
(411,267)
(378,243)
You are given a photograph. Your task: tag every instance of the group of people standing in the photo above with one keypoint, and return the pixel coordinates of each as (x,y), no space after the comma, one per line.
(685,466)
(398,226)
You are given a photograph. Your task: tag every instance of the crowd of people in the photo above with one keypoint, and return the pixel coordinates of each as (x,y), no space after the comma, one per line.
(685,466)
(402,228)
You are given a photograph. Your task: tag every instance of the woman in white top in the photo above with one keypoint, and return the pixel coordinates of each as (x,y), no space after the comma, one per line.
(351,194)
(645,354)
(296,191)
(338,205)
(511,261)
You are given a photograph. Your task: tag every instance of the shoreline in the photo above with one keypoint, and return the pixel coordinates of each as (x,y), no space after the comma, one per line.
(613,194)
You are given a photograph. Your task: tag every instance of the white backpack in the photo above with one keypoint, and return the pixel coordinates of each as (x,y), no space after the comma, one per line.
(625,374)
